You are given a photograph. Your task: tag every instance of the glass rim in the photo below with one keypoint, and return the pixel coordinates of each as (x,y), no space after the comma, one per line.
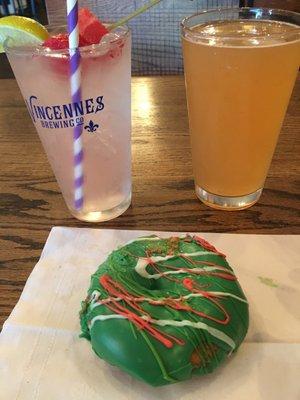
(36,49)
(266,11)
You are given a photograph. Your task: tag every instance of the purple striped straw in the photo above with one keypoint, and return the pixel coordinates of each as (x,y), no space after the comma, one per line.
(75,79)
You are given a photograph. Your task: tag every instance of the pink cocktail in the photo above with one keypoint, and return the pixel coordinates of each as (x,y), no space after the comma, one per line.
(104,113)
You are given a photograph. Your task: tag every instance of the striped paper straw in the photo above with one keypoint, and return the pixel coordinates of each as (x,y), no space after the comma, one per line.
(75,79)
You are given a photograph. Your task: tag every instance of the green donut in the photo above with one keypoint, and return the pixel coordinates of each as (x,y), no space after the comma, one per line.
(165,309)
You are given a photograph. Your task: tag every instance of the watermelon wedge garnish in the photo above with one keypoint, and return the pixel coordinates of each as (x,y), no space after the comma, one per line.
(91,31)
(90,28)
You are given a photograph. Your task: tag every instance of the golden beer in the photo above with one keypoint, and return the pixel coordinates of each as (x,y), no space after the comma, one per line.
(239,76)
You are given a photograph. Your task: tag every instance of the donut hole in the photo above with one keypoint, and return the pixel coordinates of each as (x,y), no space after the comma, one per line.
(141,282)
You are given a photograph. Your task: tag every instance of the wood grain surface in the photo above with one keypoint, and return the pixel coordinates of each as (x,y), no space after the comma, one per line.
(293,5)
(163,195)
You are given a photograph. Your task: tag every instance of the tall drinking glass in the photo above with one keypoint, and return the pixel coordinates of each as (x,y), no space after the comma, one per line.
(104,114)
(240,69)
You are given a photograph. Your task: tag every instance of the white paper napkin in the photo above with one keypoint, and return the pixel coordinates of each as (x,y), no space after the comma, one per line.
(42,357)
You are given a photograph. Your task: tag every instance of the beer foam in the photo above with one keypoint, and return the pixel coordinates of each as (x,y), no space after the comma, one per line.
(244,33)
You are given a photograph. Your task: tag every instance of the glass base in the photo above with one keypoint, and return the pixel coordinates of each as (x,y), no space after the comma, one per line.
(227,203)
(105,215)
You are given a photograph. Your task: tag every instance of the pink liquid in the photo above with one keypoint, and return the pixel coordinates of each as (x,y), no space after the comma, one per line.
(104,112)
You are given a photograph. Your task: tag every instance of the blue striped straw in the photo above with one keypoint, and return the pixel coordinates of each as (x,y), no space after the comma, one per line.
(75,79)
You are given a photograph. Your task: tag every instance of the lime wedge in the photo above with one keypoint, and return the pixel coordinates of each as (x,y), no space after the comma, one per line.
(22,30)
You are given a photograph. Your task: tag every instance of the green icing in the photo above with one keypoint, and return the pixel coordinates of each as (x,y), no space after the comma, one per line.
(199,343)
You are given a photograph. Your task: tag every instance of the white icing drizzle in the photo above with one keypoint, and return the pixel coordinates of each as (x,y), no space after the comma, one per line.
(225,294)
(142,264)
(182,271)
(95,303)
(104,318)
(95,296)
(164,322)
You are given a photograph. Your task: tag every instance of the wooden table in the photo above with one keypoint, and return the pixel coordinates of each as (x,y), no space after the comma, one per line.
(163,193)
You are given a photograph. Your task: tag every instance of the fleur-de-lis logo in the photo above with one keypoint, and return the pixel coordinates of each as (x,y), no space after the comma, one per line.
(91,127)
